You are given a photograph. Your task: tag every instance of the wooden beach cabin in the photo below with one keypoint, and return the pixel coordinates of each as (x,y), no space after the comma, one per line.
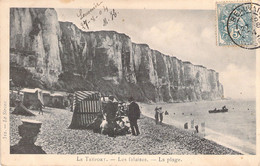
(57,100)
(47,98)
(31,97)
(15,95)
(86,106)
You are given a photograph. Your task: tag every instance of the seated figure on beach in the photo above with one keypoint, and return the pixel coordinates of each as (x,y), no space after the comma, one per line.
(121,128)
(29,131)
(120,111)
(104,127)
(96,124)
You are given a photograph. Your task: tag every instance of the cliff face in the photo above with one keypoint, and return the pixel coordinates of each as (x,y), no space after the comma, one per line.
(34,38)
(105,60)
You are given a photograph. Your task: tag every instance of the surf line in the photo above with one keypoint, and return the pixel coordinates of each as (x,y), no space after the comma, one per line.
(209,134)
(81,15)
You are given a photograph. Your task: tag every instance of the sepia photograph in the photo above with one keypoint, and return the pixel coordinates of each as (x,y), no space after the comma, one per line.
(101,80)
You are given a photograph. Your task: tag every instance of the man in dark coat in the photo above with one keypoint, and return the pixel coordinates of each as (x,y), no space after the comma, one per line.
(133,115)
(110,110)
(156,114)
(29,131)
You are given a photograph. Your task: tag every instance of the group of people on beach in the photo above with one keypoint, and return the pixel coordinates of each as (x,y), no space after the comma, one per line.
(159,114)
(112,119)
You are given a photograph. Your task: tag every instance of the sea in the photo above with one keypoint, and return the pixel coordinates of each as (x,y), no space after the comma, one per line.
(235,129)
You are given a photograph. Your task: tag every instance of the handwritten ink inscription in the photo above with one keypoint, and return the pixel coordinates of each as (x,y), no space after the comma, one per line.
(92,15)
(81,14)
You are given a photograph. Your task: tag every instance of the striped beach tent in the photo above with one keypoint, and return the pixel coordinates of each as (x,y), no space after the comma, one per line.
(86,106)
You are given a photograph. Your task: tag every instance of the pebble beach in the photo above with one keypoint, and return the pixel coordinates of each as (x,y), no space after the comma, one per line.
(56,138)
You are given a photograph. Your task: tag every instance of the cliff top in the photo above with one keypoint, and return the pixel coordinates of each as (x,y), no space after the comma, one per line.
(187,62)
(141,44)
(137,44)
(212,70)
(102,31)
(200,66)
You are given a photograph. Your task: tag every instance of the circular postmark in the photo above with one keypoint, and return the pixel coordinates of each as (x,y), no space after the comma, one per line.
(243,25)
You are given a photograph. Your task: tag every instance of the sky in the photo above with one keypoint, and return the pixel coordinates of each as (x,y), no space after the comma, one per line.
(190,35)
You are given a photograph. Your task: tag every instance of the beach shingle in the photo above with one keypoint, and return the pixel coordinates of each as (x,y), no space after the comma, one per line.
(56,138)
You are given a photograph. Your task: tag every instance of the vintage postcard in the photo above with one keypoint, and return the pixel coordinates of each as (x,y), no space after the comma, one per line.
(129,82)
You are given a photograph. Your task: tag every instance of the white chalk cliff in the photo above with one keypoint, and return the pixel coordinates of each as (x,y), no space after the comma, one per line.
(58,55)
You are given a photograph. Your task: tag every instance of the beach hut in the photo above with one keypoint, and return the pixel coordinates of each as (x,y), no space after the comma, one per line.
(15,95)
(57,99)
(32,97)
(20,109)
(86,105)
(47,98)
(67,100)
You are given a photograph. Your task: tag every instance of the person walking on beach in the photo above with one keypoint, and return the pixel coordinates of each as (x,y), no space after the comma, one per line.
(133,115)
(160,111)
(156,110)
(39,105)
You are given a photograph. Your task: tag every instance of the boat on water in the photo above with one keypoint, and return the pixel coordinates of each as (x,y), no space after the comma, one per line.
(218,110)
